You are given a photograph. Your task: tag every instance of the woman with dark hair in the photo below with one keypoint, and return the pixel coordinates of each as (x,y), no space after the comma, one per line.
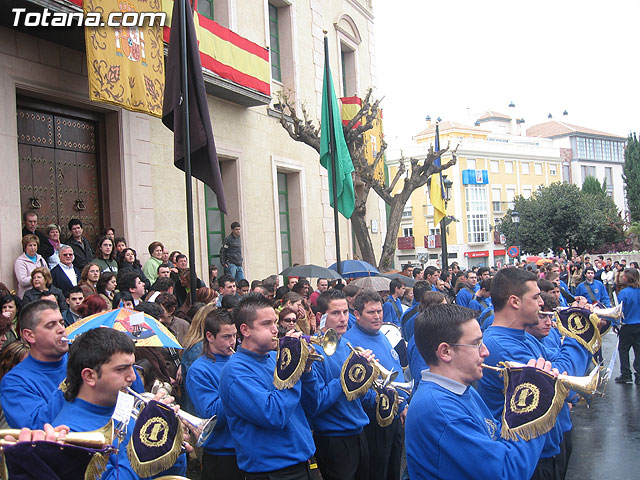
(89,278)
(42,285)
(91,305)
(607,280)
(27,262)
(106,255)
(178,326)
(10,306)
(106,287)
(129,263)
(110,232)
(287,320)
(151,266)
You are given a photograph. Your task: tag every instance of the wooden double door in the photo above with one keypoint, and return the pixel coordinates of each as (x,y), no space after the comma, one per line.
(59,169)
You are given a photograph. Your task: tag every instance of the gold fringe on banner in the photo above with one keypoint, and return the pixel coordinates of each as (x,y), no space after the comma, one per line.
(362,389)
(97,466)
(540,425)
(160,464)
(283,358)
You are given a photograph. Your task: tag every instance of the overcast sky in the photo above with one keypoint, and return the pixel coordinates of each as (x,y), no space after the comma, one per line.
(444,58)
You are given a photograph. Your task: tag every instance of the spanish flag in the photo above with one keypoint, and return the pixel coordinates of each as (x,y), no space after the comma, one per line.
(436,191)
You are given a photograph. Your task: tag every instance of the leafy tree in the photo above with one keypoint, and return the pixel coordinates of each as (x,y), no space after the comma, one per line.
(302,129)
(631,176)
(561,216)
(592,185)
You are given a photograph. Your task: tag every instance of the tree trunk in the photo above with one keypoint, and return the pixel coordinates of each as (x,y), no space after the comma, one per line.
(393,225)
(359,225)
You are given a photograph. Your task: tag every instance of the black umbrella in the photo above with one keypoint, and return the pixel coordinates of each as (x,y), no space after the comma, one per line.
(311,271)
(408,281)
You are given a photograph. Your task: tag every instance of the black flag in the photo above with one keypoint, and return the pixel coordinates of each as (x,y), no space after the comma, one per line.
(204,160)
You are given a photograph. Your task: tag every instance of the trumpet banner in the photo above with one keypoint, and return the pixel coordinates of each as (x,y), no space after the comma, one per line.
(156,441)
(126,64)
(533,398)
(291,361)
(357,376)
(386,406)
(581,325)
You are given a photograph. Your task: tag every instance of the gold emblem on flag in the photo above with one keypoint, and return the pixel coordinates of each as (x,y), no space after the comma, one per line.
(525,398)
(285,358)
(577,324)
(155,432)
(357,373)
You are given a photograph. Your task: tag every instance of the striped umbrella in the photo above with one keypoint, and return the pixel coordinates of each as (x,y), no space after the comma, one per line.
(140,327)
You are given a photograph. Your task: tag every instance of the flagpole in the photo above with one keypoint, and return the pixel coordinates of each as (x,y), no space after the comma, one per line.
(187,148)
(443,222)
(332,153)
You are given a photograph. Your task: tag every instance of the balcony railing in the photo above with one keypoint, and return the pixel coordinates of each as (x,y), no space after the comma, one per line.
(406,243)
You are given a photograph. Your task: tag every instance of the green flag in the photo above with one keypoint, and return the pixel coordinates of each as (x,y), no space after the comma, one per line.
(331,132)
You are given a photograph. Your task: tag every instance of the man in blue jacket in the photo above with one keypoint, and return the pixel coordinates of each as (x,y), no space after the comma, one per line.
(269,428)
(337,423)
(393,306)
(29,392)
(517,302)
(385,443)
(101,366)
(593,290)
(203,386)
(450,432)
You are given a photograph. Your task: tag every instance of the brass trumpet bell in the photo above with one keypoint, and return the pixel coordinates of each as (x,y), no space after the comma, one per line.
(613,312)
(97,439)
(201,428)
(406,387)
(327,340)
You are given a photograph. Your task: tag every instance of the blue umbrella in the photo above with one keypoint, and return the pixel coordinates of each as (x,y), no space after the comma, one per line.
(355,269)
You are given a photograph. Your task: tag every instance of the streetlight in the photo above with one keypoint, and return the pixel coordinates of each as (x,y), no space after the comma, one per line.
(515,218)
(443,223)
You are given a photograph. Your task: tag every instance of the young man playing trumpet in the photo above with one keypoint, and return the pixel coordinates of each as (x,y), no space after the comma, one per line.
(337,423)
(517,302)
(269,428)
(203,385)
(384,443)
(100,366)
(450,432)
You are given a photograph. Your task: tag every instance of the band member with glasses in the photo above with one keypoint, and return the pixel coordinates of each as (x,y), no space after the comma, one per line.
(517,302)
(450,431)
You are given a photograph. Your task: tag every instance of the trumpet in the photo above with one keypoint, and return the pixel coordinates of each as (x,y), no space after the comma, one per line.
(613,312)
(202,428)
(327,340)
(406,387)
(587,385)
(386,376)
(98,439)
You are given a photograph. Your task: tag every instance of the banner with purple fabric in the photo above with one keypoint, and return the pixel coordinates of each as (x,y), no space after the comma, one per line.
(291,361)
(533,398)
(580,324)
(386,405)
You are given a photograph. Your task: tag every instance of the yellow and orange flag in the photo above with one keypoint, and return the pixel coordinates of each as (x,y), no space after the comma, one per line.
(126,64)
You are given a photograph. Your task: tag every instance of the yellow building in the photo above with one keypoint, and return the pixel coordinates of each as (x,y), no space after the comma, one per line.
(492,169)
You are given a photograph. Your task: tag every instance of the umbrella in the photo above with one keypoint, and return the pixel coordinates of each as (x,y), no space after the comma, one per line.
(533,258)
(542,261)
(312,271)
(142,328)
(408,281)
(355,269)
(378,283)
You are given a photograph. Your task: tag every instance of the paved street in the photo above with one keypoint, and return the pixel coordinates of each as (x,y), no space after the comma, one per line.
(607,435)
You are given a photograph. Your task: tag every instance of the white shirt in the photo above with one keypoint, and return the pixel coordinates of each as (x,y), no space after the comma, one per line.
(70,272)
